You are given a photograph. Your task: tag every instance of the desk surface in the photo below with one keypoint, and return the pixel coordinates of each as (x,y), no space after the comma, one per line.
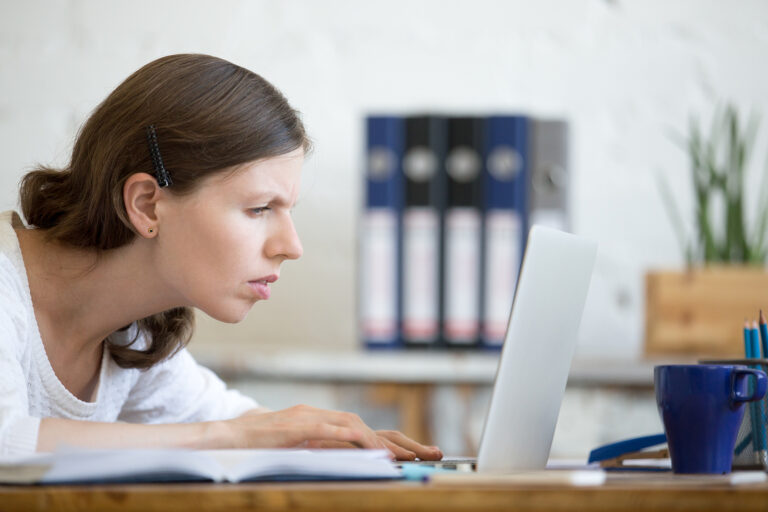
(622,494)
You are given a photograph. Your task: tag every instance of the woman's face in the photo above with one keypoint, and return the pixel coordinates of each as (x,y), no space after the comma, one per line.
(221,246)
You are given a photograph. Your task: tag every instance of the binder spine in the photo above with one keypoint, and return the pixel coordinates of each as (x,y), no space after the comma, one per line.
(380,237)
(422,240)
(463,232)
(506,221)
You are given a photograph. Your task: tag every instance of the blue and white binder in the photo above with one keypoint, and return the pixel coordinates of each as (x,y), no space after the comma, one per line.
(505,222)
(462,231)
(380,237)
(422,231)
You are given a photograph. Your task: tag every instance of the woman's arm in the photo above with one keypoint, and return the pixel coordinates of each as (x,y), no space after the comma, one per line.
(173,404)
(255,429)
(299,426)
(90,434)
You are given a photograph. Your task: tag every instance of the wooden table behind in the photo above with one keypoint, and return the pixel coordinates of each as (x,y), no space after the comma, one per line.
(616,495)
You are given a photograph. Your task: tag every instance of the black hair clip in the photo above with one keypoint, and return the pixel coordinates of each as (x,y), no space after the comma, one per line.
(161,174)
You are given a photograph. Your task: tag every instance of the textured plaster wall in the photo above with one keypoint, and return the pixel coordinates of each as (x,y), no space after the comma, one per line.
(625,73)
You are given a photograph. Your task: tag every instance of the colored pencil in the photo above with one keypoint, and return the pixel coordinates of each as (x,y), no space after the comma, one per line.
(758,408)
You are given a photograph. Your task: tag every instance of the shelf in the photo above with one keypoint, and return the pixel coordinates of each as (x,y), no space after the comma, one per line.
(410,367)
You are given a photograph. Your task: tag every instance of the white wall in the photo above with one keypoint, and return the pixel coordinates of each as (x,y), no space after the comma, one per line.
(625,73)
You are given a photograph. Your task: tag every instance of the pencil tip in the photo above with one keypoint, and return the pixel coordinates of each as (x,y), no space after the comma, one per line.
(762,317)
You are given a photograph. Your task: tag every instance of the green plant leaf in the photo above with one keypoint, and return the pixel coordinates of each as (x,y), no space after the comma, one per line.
(718,165)
(762,216)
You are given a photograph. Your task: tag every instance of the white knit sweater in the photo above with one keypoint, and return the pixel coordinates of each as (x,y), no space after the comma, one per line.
(176,390)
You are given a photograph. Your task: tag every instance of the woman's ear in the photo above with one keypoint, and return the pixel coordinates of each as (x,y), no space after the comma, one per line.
(140,195)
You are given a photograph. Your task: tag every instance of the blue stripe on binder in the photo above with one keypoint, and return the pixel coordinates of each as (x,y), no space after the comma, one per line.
(506,220)
(381,234)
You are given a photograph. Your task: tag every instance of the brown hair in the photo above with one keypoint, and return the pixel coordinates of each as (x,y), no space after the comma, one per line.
(209,115)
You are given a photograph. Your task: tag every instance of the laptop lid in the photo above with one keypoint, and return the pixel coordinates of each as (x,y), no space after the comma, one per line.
(537,352)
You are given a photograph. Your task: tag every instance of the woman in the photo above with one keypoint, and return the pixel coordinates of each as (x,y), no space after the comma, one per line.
(178,195)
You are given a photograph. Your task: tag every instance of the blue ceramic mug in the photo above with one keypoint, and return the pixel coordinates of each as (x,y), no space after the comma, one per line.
(702,407)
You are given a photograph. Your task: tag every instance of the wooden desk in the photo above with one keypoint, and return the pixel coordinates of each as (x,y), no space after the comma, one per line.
(622,494)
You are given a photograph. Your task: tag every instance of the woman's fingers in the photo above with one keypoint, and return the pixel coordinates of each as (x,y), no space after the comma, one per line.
(423,452)
(370,439)
(339,445)
(325,444)
(302,425)
(398,452)
(365,438)
(328,432)
(310,427)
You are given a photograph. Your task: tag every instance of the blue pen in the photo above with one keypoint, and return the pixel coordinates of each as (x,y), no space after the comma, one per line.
(758,408)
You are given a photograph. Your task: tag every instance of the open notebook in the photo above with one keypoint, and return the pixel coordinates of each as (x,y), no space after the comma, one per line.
(70,465)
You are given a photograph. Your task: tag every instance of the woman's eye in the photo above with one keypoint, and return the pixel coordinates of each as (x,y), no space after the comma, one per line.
(259,210)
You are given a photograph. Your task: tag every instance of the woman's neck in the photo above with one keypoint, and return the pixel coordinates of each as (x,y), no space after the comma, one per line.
(80,297)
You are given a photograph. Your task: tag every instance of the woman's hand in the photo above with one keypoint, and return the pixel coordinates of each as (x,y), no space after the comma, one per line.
(406,448)
(295,427)
(303,426)
(401,446)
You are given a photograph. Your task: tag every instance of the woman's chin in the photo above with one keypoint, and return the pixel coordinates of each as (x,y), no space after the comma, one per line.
(232,315)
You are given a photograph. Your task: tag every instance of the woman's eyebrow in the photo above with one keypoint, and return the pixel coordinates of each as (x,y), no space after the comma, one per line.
(271,196)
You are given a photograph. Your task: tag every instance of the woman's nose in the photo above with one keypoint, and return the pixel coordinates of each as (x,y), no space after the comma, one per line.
(285,241)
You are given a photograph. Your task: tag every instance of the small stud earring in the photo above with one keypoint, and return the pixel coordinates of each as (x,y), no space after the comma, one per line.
(151,230)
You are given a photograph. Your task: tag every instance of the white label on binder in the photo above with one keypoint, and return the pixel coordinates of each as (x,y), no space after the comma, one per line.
(462,275)
(502,263)
(379,275)
(421,238)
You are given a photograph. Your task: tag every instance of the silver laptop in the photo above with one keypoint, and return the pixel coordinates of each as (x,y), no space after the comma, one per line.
(536,356)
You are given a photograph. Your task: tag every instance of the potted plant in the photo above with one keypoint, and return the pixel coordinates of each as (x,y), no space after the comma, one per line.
(700,311)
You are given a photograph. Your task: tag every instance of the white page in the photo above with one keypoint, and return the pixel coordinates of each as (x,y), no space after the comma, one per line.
(77,465)
(83,465)
(241,465)
(24,469)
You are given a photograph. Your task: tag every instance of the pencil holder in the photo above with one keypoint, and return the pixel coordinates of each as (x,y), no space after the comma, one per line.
(751,442)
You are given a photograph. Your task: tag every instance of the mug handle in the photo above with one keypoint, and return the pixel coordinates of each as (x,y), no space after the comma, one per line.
(761,383)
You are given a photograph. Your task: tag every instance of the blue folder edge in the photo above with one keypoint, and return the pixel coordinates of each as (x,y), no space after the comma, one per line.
(613,450)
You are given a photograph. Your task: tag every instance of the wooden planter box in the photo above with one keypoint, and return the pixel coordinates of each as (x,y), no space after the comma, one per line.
(701,311)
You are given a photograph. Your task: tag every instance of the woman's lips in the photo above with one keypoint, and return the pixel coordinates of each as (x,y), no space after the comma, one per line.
(260,288)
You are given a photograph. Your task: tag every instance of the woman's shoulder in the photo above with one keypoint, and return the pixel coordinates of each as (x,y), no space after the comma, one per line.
(11,262)
(11,285)
(13,278)
(16,315)
(9,221)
